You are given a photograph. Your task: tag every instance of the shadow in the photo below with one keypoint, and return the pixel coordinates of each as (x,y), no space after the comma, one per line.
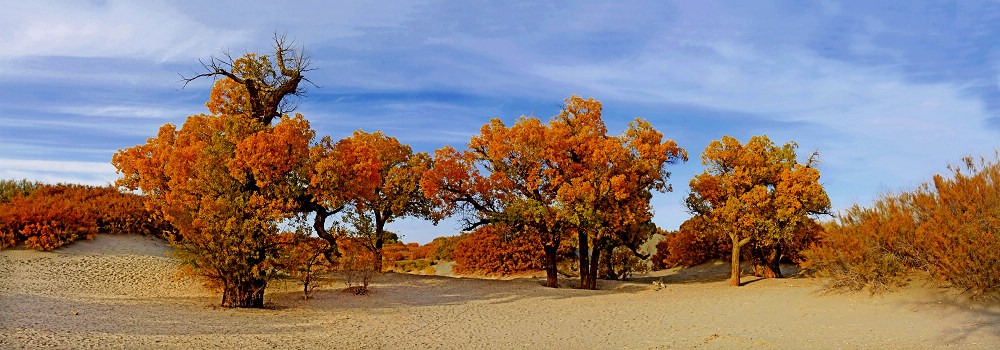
(986,314)
(713,272)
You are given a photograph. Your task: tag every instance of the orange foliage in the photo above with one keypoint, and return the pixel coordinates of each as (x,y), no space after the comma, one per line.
(756,193)
(491,250)
(695,242)
(356,265)
(54,215)
(556,179)
(303,258)
(948,227)
(379,180)
(226,180)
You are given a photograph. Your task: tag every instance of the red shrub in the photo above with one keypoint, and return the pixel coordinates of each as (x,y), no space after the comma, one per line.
(53,215)
(45,222)
(949,227)
(692,244)
(488,251)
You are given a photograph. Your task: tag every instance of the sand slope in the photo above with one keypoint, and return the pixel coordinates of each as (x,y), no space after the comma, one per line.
(120,292)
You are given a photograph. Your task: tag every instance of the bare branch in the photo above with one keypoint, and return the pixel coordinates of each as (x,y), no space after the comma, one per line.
(267,92)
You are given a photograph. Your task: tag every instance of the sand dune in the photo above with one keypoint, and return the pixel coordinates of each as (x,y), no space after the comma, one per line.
(121,292)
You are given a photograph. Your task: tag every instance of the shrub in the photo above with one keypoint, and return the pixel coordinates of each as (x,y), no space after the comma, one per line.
(621,264)
(949,228)
(692,244)
(45,222)
(425,251)
(444,246)
(410,266)
(851,259)
(303,259)
(488,250)
(357,267)
(50,216)
(13,188)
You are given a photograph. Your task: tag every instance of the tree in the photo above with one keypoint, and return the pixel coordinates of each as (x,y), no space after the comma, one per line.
(609,182)
(517,190)
(303,259)
(395,190)
(555,180)
(227,179)
(756,192)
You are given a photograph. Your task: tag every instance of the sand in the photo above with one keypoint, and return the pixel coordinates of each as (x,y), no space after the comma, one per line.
(121,292)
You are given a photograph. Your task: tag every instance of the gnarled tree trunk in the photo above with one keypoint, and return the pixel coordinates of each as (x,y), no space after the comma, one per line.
(248,293)
(772,262)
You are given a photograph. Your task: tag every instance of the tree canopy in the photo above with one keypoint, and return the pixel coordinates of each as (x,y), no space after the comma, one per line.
(556,179)
(756,192)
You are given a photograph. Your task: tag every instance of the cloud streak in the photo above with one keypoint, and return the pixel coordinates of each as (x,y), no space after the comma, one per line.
(148,29)
(888,95)
(89,173)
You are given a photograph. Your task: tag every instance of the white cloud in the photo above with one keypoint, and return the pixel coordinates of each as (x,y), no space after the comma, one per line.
(51,171)
(873,127)
(124,111)
(145,29)
(38,125)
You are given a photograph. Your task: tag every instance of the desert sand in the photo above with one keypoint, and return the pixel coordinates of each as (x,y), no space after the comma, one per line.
(121,292)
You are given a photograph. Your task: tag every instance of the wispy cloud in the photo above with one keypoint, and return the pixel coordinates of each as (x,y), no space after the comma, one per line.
(123,111)
(148,29)
(91,173)
(887,94)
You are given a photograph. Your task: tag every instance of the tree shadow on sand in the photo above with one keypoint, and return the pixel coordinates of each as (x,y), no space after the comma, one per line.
(712,272)
(985,315)
(394,289)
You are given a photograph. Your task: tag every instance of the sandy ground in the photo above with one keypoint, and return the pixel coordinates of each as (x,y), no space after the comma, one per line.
(120,292)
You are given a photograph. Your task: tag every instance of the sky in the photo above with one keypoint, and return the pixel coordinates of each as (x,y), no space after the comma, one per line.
(888,94)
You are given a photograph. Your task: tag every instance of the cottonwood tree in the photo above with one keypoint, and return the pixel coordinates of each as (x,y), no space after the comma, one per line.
(262,89)
(608,181)
(554,180)
(226,179)
(394,190)
(501,179)
(756,192)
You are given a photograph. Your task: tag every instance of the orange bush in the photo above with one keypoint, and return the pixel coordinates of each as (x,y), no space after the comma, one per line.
(304,259)
(692,244)
(54,215)
(488,251)
(45,222)
(949,228)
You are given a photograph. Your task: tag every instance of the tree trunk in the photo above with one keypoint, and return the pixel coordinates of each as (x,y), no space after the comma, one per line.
(379,242)
(737,245)
(244,293)
(734,279)
(550,266)
(595,260)
(584,259)
(377,256)
(331,253)
(305,286)
(772,262)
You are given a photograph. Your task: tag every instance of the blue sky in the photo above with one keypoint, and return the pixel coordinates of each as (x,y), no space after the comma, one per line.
(889,94)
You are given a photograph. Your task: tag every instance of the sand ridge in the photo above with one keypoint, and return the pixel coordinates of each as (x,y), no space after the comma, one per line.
(121,292)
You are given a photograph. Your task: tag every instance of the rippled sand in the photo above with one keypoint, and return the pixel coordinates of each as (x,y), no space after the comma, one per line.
(121,292)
